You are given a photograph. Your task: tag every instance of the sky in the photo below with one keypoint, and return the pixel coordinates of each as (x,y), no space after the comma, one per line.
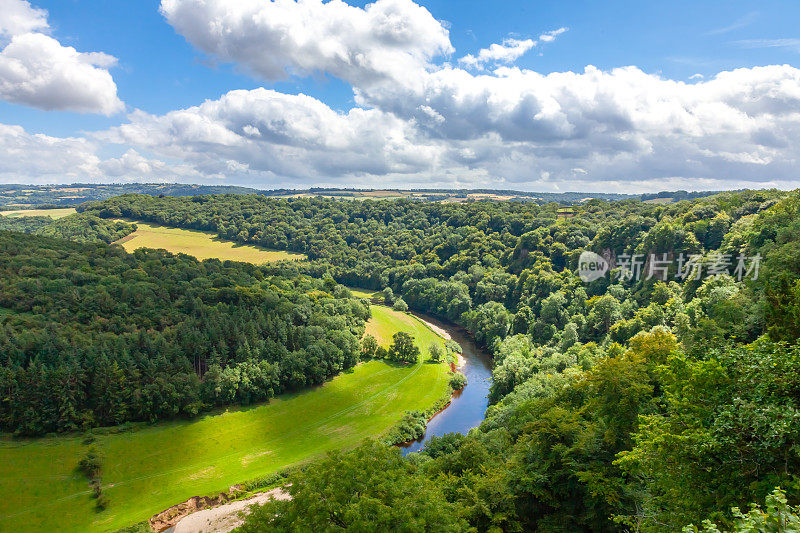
(614,96)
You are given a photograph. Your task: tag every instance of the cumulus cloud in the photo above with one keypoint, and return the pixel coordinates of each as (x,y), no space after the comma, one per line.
(132,166)
(420,117)
(270,134)
(36,157)
(36,70)
(275,38)
(524,105)
(527,130)
(18,17)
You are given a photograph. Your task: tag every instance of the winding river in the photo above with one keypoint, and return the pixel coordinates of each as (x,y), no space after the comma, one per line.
(468,406)
(466,409)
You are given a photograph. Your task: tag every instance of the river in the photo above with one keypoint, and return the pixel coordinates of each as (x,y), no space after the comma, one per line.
(468,406)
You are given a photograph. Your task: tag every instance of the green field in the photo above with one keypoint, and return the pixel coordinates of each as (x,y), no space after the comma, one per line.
(52,213)
(200,244)
(364,293)
(386,322)
(148,470)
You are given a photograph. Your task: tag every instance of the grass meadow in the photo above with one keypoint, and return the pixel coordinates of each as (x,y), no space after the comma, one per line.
(200,244)
(52,213)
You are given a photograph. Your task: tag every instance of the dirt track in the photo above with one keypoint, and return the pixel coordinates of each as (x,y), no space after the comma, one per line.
(225,517)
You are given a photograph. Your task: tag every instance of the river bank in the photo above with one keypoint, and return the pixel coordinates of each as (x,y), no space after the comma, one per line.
(467,406)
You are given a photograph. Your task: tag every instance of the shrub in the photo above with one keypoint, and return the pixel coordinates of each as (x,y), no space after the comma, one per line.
(91,464)
(436,353)
(369,346)
(400,305)
(411,427)
(458,381)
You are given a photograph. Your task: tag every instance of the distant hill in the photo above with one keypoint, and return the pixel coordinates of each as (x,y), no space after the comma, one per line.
(77,193)
(69,195)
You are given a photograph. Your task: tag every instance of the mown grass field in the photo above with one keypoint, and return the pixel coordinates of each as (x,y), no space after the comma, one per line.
(200,244)
(386,322)
(52,213)
(150,469)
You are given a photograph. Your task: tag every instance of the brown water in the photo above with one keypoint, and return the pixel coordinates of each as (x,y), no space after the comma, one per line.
(468,406)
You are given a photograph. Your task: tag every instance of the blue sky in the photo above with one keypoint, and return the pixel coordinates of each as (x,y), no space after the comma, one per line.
(159,72)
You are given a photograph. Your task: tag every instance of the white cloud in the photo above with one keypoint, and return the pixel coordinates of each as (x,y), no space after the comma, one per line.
(36,70)
(509,51)
(18,17)
(550,36)
(271,134)
(132,166)
(28,158)
(386,39)
(36,158)
(624,110)
(592,130)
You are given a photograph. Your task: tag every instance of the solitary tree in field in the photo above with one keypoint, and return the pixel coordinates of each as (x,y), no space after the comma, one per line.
(368,346)
(403,349)
(400,305)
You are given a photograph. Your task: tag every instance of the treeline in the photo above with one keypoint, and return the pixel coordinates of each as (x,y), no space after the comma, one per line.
(505,267)
(60,196)
(363,239)
(91,335)
(77,227)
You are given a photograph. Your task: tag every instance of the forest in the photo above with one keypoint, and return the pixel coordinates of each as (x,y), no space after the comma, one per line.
(91,335)
(654,397)
(76,227)
(662,394)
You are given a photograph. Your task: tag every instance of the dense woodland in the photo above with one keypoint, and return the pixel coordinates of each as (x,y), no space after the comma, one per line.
(76,227)
(640,404)
(91,335)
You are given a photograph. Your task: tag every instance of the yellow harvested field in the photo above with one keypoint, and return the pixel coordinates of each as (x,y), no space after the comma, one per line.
(52,213)
(200,244)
